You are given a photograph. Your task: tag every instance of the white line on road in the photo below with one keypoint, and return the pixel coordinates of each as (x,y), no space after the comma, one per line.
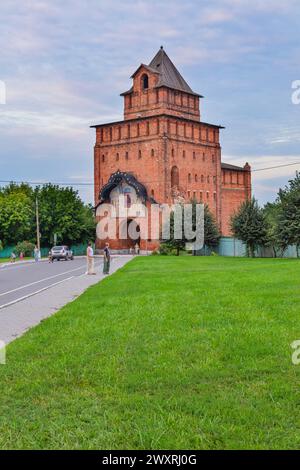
(41,280)
(34,293)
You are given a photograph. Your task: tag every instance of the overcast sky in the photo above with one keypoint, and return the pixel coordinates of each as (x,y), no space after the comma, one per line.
(64,65)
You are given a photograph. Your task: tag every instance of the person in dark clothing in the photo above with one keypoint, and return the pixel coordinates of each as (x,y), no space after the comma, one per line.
(106,259)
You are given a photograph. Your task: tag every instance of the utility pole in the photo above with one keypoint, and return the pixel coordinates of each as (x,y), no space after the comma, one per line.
(37,224)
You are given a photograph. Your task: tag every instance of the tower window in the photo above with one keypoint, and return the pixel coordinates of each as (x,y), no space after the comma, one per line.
(117,157)
(126,155)
(103,158)
(194,155)
(152,152)
(140,154)
(203,158)
(173,153)
(145,82)
(183,154)
(174,176)
(189,177)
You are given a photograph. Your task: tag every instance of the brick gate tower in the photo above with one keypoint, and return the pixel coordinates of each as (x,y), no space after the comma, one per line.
(162,152)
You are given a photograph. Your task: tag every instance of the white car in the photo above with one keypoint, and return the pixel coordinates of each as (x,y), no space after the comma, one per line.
(61,252)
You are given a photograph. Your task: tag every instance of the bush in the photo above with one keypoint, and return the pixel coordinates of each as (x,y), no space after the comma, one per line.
(24,247)
(165,249)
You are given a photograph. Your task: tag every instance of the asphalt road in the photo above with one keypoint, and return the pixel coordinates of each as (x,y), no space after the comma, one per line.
(19,281)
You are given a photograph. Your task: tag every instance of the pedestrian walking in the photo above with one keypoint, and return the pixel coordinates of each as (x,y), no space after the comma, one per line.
(106,259)
(36,254)
(137,249)
(21,256)
(90,259)
(12,257)
(50,257)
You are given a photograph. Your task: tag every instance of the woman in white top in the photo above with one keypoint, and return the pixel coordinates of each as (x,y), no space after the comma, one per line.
(90,259)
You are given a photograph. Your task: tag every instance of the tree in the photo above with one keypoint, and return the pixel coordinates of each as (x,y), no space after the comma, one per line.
(63,215)
(16,216)
(173,243)
(249,225)
(211,231)
(61,212)
(272,211)
(288,221)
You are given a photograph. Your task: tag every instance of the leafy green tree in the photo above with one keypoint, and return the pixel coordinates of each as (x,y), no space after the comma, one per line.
(211,231)
(61,212)
(271,212)
(16,216)
(288,221)
(174,244)
(25,247)
(249,224)
(64,215)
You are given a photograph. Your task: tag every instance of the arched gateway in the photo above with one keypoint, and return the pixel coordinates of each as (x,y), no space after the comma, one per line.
(124,201)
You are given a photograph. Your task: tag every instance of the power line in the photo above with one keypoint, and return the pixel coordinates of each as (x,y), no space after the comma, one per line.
(39,183)
(278,166)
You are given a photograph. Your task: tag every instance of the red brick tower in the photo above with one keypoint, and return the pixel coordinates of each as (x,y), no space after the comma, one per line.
(163,152)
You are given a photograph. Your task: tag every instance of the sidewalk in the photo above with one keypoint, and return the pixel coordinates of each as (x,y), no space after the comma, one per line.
(16,319)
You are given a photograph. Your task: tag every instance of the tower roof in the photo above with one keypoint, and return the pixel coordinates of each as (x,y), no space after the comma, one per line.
(168,73)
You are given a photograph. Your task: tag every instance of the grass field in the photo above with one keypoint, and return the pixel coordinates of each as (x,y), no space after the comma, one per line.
(168,353)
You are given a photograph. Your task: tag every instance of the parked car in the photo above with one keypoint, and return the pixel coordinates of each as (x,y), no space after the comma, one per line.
(61,252)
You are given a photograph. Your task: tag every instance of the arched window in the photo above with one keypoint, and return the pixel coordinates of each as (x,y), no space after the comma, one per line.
(128,201)
(174,176)
(145,81)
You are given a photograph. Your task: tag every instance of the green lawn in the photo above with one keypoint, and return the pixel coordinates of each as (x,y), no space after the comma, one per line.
(167,353)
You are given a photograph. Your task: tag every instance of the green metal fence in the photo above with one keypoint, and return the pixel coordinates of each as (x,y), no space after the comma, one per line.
(77,250)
